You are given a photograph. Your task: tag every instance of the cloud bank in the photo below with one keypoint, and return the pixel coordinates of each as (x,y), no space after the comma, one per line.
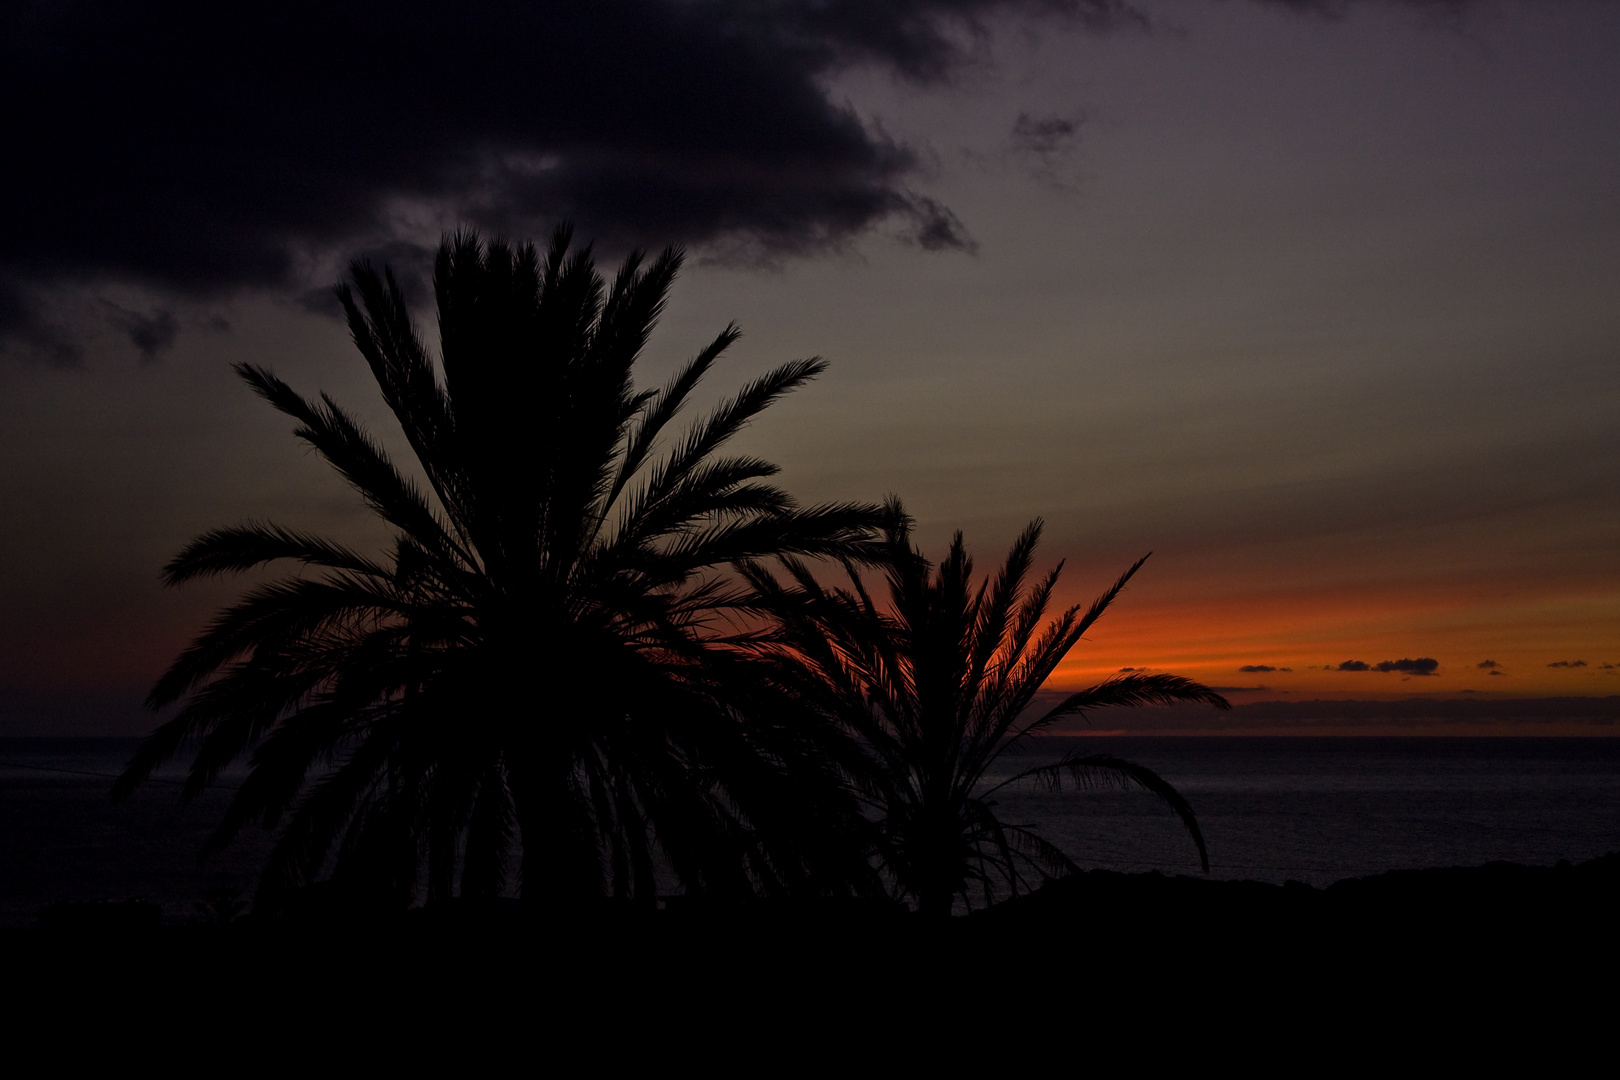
(201,148)
(197,149)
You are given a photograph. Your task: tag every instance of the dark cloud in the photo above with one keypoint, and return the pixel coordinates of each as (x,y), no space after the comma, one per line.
(1355,665)
(1123,669)
(151,332)
(29,328)
(925,41)
(1487,664)
(1497,672)
(1045,136)
(197,148)
(1568,663)
(1256,669)
(1422,666)
(1047,145)
(201,148)
(934,227)
(1335,9)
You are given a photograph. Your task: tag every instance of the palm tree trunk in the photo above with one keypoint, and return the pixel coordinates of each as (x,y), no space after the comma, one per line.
(561,864)
(441,864)
(935,904)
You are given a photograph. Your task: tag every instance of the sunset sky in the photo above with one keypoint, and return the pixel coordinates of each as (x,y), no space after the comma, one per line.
(1318,302)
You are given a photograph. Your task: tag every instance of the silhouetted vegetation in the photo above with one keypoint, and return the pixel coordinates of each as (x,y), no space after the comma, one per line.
(528,666)
(1516,948)
(931,689)
(547,660)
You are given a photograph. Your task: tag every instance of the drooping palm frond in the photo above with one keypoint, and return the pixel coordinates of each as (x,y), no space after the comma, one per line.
(1086,771)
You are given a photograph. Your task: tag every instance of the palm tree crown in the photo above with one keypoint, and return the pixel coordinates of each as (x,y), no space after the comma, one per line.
(933,688)
(526,664)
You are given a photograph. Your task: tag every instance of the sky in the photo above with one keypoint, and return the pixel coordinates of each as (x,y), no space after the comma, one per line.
(1314,301)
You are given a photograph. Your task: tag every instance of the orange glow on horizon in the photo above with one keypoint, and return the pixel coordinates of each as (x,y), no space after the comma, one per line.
(1563,642)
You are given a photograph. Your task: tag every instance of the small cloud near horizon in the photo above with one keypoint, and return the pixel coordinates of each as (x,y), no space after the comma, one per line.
(1568,663)
(1487,664)
(1423,665)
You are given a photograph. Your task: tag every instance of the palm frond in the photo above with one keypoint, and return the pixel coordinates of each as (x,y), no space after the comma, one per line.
(421,705)
(1105,770)
(663,407)
(243,547)
(358,458)
(268,616)
(929,690)
(1129,691)
(715,430)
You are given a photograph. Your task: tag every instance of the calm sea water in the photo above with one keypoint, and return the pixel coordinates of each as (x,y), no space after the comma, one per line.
(1321,809)
(62,839)
(1309,809)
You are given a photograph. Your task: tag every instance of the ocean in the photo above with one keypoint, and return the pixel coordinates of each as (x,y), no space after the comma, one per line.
(1272,809)
(1318,809)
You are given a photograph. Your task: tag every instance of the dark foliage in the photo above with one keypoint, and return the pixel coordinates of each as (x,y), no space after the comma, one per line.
(931,689)
(529,666)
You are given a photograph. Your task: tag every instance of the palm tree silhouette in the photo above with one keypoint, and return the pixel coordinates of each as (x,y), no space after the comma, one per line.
(932,690)
(528,664)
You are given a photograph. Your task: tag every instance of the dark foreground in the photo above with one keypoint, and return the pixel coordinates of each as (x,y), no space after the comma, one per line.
(1494,955)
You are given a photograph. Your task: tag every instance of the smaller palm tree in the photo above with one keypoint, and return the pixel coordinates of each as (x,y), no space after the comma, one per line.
(930,692)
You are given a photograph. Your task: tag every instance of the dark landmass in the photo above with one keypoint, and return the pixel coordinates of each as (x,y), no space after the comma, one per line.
(1479,715)
(1532,944)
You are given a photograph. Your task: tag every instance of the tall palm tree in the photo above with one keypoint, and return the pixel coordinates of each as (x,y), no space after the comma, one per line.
(527,665)
(933,688)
